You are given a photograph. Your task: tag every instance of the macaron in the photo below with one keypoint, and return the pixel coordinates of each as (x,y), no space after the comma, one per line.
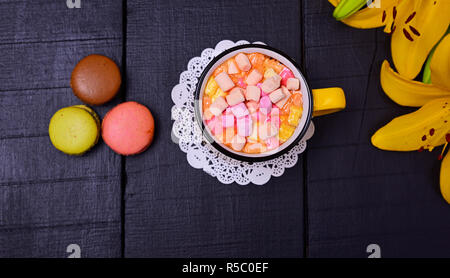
(128,128)
(74,130)
(95,79)
(92,112)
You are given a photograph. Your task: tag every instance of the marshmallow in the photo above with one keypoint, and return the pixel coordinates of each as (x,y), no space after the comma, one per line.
(235,96)
(262,92)
(275,112)
(224,81)
(271,84)
(253,77)
(228,135)
(285,132)
(255,148)
(287,94)
(238,142)
(267,130)
(253,93)
(208,115)
(293,84)
(254,135)
(241,83)
(269,73)
(232,68)
(265,105)
(297,98)
(211,123)
(215,125)
(276,95)
(275,116)
(252,106)
(218,106)
(244,126)
(239,110)
(272,143)
(243,62)
(228,120)
(285,75)
(261,117)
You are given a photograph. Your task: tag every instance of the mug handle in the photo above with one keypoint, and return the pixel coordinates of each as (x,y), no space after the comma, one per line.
(327,101)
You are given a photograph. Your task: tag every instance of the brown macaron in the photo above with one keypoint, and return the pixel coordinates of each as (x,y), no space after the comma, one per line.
(95,79)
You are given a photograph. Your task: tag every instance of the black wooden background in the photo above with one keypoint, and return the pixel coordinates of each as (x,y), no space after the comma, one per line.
(341,196)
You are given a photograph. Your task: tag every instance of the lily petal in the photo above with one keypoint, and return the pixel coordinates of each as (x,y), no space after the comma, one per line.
(426,76)
(419,25)
(440,64)
(425,128)
(408,92)
(445,178)
(379,13)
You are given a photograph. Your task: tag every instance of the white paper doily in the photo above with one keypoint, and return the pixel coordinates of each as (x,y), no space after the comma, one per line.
(201,154)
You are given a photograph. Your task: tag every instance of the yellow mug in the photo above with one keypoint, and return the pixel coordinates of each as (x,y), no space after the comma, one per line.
(316,102)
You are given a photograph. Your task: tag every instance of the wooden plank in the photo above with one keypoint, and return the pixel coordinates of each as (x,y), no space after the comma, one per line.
(200,218)
(18,107)
(357,194)
(49,200)
(171,209)
(317,7)
(27,159)
(58,202)
(356,59)
(51,20)
(95,240)
(322,30)
(49,64)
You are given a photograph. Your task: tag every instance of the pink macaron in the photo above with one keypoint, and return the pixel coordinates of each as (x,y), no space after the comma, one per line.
(128,128)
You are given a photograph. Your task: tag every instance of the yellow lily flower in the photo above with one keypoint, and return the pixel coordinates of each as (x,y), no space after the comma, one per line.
(427,127)
(417,26)
(420,25)
(440,74)
(409,132)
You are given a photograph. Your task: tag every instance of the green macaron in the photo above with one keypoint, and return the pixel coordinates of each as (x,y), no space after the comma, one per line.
(74,130)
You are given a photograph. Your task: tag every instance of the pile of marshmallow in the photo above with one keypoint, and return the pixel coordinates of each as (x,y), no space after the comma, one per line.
(233,118)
